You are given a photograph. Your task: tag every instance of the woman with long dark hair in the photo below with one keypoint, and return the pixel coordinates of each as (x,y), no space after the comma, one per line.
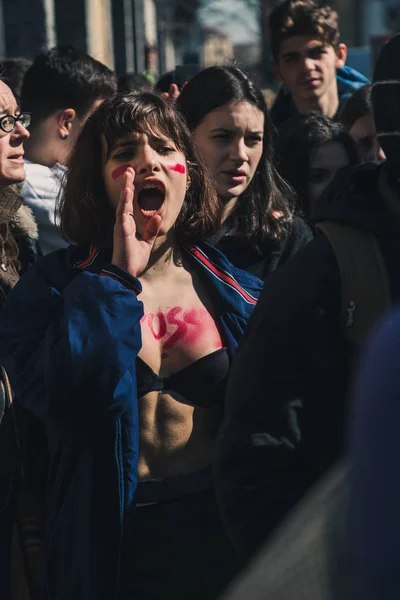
(121,345)
(233,132)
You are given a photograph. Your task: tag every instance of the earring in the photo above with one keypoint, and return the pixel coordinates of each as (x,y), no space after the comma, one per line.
(188,183)
(64,136)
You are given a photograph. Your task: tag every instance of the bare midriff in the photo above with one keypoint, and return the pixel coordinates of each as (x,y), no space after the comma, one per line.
(175,437)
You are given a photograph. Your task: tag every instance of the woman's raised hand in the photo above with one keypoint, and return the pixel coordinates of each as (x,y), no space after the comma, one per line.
(173,92)
(130,252)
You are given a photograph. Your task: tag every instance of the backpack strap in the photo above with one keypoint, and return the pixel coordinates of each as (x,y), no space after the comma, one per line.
(366,290)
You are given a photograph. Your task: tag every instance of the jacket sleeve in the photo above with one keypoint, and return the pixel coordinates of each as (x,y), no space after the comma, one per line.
(71,355)
(284,405)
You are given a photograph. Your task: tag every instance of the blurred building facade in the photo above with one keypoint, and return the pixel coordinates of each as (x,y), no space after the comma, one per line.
(248,55)
(153,36)
(216,48)
(127,35)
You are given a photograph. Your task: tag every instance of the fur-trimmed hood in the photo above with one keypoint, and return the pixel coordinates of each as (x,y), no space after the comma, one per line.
(25,223)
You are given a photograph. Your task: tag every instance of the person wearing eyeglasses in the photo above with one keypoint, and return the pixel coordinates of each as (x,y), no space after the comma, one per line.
(18,238)
(18,229)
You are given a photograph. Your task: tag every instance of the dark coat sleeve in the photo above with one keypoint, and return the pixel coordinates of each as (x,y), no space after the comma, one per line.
(70,354)
(299,236)
(374,515)
(285,398)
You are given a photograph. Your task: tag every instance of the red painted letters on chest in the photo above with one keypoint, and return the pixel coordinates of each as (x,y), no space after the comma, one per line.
(178,326)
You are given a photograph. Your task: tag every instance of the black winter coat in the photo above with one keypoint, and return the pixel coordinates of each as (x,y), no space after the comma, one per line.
(285,414)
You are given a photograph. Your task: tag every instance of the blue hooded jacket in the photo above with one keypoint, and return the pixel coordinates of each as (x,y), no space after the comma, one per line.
(69,337)
(348,80)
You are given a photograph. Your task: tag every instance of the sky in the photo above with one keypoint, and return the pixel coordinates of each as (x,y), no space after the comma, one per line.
(233,17)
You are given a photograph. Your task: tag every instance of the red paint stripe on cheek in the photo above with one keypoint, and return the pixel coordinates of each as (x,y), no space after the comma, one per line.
(117,173)
(178,168)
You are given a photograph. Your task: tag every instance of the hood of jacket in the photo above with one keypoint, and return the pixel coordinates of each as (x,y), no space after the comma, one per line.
(349,81)
(365,196)
(24,223)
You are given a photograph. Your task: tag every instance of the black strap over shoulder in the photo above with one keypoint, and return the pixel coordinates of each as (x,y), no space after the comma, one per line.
(366,293)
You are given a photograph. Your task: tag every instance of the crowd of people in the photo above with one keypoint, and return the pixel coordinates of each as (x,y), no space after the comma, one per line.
(194,403)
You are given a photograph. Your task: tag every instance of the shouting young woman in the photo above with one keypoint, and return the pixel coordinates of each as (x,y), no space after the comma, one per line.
(121,345)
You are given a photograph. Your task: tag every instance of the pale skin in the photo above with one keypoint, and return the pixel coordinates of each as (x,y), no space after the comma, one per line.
(173,92)
(175,437)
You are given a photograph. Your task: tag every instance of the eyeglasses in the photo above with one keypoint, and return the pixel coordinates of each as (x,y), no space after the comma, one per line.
(9,122)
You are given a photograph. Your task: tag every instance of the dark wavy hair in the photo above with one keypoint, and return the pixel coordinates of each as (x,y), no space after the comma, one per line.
(303,17)
(359,105)
(85,214)
(296,141)
(264,212)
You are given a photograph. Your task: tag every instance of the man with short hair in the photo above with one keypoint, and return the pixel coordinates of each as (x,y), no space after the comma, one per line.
(310,60)
(61,88)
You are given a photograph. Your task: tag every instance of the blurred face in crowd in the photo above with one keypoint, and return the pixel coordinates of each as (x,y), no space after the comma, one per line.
(364,133)
(11,144)
(307,66)
(230,140)
(326,160)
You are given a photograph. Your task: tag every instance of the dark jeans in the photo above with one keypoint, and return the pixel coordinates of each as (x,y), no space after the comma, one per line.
(181,550)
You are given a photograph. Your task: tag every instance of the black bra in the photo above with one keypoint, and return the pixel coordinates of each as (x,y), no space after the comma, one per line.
(202,383)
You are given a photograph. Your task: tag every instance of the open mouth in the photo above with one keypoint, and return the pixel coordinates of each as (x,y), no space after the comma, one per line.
(150,200)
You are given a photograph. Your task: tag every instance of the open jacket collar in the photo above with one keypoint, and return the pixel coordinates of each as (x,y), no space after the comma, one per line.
(232,290)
